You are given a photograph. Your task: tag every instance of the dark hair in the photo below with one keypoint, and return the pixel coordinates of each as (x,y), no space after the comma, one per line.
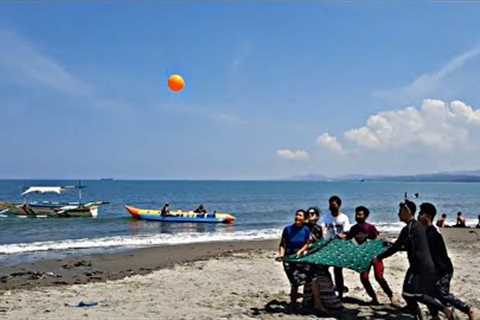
(364,209)
(336,199)
(315,210)
(302,211)
(444,215)
(459,213)
(429,209)
(410,205)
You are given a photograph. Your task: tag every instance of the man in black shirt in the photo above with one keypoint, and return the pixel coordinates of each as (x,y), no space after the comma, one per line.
(419,283)
(443,264)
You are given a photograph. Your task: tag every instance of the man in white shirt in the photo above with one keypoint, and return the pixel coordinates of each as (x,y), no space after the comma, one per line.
(335,225)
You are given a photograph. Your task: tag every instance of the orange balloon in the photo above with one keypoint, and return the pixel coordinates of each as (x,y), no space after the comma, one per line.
(176,83)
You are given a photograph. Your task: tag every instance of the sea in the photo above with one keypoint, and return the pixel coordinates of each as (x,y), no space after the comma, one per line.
(262,209)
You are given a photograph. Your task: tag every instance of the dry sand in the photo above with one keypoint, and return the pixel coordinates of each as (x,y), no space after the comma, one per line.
(238,284)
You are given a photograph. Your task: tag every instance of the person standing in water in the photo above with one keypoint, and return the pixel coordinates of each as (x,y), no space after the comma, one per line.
(361,232)
(443,264)
(335,225)
(419,283)
(293,238)
(478,224)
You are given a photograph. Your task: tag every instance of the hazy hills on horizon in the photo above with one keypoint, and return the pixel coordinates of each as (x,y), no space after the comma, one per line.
(451,176)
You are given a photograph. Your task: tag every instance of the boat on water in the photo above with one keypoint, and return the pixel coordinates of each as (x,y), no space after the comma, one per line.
(180,216)
(38,209)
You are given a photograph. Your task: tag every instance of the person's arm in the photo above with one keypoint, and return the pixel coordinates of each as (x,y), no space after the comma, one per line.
(441,244)
(397,246)
(346,228)
(281,247)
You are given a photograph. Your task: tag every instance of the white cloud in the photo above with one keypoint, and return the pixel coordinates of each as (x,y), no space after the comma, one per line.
(330,142)
(428,84)
(436,125)
(23,64)
(293,154)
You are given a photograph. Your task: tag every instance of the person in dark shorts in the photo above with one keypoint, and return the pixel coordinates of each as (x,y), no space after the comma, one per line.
(293,239)
(478,224)
(361,232)
(419,283)
(443,264)
(313,214)
(336,225)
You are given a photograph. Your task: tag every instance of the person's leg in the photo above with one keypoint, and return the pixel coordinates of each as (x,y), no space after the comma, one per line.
(444,295)
(368,286)
(293,294)
(317,296)
(425,292)
(408,294)
(378,269)
(338,272)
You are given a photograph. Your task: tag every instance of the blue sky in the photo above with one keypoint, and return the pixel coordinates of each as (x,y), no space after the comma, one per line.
(273,90)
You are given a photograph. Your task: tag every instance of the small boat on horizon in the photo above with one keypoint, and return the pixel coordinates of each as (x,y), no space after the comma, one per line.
(38,209)
(180,216)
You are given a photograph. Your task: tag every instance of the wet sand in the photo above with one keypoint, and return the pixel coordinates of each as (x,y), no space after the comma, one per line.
(223,280)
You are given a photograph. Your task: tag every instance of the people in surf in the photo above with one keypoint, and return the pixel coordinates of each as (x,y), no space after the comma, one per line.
(420,279)
(443,264)
(361,232)
(478,224)
(293,239)
(336,225)
(442,221)
(461,223)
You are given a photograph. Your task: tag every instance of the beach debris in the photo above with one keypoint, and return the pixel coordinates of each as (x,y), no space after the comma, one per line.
(83,304)
(81,263)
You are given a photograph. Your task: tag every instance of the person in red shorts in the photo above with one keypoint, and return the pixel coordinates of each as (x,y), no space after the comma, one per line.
(361,232)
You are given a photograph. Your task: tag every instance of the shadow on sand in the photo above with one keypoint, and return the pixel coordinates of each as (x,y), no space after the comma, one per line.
(353,309)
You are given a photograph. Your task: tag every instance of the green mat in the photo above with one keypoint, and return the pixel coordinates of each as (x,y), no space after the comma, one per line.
(342,253)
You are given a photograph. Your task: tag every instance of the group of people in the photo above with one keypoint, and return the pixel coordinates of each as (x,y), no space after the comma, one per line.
(460,223)
(165,211)
(428,277)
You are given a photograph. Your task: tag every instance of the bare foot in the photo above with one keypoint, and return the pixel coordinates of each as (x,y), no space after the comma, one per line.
(448,313)
(395,302)
(473,314)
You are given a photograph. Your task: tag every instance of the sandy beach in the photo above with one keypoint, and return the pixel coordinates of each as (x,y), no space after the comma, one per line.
(224,280)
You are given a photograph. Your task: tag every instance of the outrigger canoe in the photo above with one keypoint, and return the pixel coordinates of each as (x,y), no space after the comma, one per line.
(38,209)
(180,216)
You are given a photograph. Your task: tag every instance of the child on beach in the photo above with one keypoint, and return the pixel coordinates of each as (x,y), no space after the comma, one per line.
(361,232)
(293,239)
(443,264)
(478,224)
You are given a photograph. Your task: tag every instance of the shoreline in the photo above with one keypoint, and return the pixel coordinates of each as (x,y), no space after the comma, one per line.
(222,280)
(101,267)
